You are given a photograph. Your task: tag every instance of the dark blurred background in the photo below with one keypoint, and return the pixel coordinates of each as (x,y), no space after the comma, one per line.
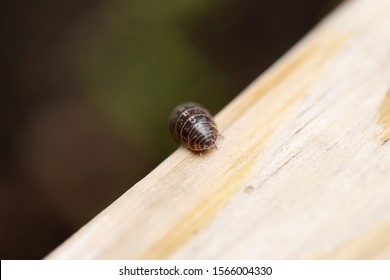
(87,88)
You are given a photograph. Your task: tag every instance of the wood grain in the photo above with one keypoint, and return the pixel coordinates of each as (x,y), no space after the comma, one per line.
(302,170)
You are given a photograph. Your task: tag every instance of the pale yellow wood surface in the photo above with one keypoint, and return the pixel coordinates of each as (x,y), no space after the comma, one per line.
(302,172)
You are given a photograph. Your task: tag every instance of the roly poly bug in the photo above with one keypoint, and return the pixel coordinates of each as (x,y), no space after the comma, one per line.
(193,126)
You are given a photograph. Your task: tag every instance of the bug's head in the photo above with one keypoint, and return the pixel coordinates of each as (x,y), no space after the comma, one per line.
(209,144)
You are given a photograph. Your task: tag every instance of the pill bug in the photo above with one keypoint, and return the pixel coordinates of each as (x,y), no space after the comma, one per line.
(193,126)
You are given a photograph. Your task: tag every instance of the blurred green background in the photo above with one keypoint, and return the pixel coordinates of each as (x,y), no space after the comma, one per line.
(87,88)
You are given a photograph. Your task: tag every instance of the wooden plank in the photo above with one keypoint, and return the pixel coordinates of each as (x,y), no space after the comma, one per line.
(302,170)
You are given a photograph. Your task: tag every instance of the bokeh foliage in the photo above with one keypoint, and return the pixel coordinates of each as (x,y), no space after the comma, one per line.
(138,63)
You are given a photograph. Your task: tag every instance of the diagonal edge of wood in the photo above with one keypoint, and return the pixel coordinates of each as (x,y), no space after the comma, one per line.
(302,170)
